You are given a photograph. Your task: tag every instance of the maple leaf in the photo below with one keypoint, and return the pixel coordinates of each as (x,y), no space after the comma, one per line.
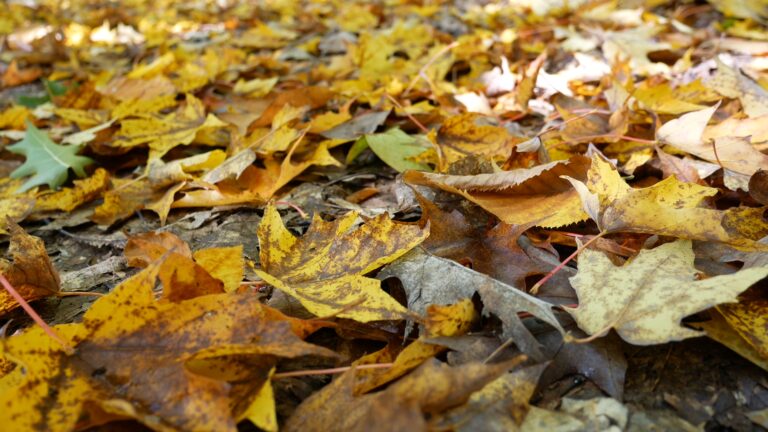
(324,268)
(666,209)
(741,327)
(31,272)
(130,356)
(47,162)
(646,299)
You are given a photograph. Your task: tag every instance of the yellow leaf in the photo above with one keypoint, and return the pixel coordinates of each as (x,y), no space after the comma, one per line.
(472,134)
(131,356)
(14,117)
(646,299)
(224,263)
(663,99)
(69,199)
(324,269)
(166,132)
(451,320)
(667,207)
(262,411)
(256,87)
(731,82)
(156,67)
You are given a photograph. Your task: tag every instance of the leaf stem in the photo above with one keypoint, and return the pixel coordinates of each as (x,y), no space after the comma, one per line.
(35,317)
(330,371)
(548,276)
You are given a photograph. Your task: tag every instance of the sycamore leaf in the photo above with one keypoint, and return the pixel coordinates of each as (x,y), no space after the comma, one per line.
(646,299)
(324,269)
(47,162)
(537,195)
(130,359)
(429,280)
(31,272)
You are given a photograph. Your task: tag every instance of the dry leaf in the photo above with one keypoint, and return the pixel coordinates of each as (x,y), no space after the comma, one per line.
(646,299)
(324,269)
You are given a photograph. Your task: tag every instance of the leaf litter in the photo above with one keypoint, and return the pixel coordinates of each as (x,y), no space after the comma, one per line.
(384,215)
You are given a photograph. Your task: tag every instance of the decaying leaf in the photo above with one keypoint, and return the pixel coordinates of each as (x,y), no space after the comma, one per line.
(665,209)
(129,360)
(31,271)
(432,388)
(646,299)
(324,269)
(537,195)
(431,280)
(83,191)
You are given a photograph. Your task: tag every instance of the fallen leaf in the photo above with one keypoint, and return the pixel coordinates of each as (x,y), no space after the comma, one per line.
(472,134)
(646,299)
(431,280)
(441,321)
(47,162)
(13,76)
(144,249)
(735,154)
(163,133)
(324,268)
(355,127)
(733,83)
(432,388)
(537,195)
(313,97)
(31,271)
(394,147)
(68,199)
(130,360)
(665,209)
(501,405)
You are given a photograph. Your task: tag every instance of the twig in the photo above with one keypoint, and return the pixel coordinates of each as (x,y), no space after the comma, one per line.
(331,371)
(35,317)
(535,288)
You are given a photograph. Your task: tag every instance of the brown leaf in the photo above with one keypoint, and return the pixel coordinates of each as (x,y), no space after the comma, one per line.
(430,389)
(313,97)
(143,249)
(31,271)
(537,195)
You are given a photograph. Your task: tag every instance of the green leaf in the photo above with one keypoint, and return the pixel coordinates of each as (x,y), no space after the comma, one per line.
(47,162)
(395,148)
(52,88)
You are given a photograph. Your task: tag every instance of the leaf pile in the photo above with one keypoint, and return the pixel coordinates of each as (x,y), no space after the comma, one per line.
(384,215)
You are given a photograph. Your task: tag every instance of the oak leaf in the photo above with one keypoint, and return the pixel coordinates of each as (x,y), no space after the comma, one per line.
(646,299)
(324,269)
(47,162)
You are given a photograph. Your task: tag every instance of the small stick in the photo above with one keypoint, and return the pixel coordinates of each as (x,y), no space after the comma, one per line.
(535,288)
(331,371)
(35,317)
